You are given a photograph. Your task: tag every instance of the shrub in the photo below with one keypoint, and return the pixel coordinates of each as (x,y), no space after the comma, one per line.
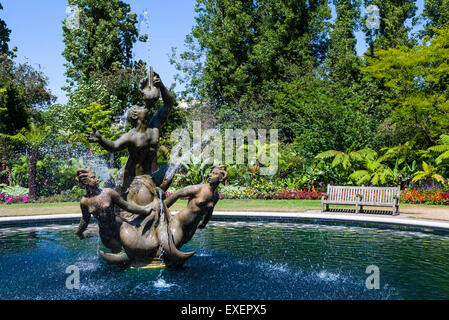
(13,191)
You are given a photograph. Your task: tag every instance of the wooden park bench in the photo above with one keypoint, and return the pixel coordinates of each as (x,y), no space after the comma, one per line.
(362,196)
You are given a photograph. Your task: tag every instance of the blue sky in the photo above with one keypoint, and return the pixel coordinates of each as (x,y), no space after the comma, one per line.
(36,30)
(36,27)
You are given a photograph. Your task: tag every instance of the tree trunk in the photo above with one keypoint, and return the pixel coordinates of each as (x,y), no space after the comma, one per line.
(32,171)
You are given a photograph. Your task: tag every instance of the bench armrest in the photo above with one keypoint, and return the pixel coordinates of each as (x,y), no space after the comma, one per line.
(324,196)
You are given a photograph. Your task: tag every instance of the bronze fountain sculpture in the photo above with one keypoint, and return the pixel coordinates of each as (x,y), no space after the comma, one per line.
(140,231)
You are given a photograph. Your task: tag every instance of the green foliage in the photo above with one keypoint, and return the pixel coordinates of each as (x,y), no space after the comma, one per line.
(192,173)
(400,153)
(22,90)
(4,35)
(394,30)
(318,116)
(442,149)
(436,16)
(232,192)
(98,116)
(13,191)
(418,77)
(373,171)
(13,112)
(241,51)
(19,171)
(55,175)
(238,174)
(342,62)
(103,41)
(428,173)
(33,137)
(343,160)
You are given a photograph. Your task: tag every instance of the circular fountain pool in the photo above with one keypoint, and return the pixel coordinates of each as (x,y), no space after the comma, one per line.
(234,260)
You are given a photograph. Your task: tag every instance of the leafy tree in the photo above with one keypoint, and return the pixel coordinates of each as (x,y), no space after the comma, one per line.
(436,16)
(4,35)
(34,137)
(13,111)
(342,62)
(98,116)
(102,41)
(317,115)
(241,51)
(99,66)
(400,153)
(418,77)
(393,31)
(23,90)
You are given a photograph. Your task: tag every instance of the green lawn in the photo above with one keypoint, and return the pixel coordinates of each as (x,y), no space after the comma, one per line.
(222,205)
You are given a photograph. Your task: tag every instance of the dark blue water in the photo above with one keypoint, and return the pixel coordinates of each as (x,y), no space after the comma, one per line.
(235,260)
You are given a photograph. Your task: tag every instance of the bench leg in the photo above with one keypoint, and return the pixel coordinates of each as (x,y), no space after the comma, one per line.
(395,210)
(357,208)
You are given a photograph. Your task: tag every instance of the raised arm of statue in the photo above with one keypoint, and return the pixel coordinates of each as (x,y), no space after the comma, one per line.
(185,192)
(110,146)
(163,113)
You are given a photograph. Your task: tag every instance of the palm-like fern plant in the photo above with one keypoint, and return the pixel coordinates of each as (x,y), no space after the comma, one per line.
(442,149)
(344,159)
(374,172)
(33,137)
(399,153)
(429,173)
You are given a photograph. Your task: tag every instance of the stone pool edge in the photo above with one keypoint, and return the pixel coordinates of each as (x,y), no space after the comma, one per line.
(313,216)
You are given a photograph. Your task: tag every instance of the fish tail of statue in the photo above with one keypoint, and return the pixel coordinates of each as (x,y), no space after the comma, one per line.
(172,256)
(115,258)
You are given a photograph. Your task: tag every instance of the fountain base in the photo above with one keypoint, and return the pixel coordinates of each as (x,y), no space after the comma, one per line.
(154,263)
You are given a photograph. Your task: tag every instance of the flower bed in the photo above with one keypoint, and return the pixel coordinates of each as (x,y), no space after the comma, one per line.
(6,199)
(436,197)
(300,194)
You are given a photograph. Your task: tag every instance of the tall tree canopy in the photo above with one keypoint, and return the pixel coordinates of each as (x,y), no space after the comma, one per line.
(247,49)
(394,18)
(23,92)
(436,15)
(342,63)
(102,40)
(4,35)
(419,79)
(99,63)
